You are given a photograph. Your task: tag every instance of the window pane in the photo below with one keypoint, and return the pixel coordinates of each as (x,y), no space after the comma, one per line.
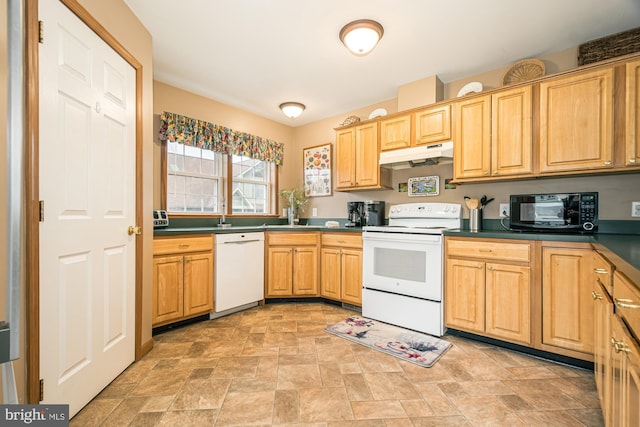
(193,179)
(250,185)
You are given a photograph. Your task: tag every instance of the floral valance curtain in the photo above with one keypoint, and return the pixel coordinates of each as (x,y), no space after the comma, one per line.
(202,134)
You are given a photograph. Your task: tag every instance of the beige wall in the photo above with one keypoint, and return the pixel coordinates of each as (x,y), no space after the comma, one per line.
(615,190)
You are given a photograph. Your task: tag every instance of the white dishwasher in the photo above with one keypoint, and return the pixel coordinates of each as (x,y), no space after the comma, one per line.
(239,267)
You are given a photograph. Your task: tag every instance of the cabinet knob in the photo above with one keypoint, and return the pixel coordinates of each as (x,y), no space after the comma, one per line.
(607,163)
(595,295)
(619,346)
(496,173)
(485,173)
(600,271)
(632,160)
(479,266)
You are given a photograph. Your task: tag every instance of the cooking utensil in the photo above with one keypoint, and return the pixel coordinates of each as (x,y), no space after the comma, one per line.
(473,203)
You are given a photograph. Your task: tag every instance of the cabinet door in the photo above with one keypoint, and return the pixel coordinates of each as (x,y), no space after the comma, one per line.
(330,272)
(167,289)
(632,157)
(305,271)
(346,158)
(198,283)
(511,132)
(472,138)
(576,122)
(352,276)
(632,383)
(395,133)
(367,155)
(464,295)
(433,125)
(280,271)
(508,307)
(567,308)
(618,368)
(602,312)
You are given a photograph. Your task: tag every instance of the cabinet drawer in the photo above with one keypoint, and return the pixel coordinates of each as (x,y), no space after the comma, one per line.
(292,239)
(176,245)
(342,240)
(489,250)
(626,297)
(603,272)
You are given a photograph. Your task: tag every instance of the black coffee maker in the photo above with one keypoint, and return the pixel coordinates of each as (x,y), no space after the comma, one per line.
(373,213)
(354,214)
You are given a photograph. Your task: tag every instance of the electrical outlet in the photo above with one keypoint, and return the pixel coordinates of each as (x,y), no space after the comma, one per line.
(635,209)
(314,212)
(504,210)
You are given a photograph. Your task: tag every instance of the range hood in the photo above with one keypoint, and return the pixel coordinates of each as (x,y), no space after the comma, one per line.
(417,156)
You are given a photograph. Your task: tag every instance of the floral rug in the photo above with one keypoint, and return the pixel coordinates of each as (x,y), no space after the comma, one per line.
(414,347)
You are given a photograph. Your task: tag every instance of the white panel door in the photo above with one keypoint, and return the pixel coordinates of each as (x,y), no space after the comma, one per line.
(87,182)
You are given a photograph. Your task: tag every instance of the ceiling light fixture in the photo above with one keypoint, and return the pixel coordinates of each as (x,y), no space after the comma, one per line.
(292,109)
(361,36)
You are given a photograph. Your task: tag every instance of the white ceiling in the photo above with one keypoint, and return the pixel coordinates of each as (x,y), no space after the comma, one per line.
(256,54)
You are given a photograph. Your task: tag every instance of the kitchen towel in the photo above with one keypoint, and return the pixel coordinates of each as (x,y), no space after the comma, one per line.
(414,347)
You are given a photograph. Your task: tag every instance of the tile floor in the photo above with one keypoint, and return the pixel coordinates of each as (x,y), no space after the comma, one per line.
(274,365)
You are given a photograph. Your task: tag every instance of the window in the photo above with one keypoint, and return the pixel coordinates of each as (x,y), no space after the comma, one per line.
(196,180)
(251,185)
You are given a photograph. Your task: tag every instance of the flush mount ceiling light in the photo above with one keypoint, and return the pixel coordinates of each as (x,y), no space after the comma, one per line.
(292,109)
(361,36)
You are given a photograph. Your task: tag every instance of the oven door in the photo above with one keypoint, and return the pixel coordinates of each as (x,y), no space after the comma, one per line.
(403,263)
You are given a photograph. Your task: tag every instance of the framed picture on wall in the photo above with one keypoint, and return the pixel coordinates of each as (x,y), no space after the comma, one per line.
(424,186)
(316,163)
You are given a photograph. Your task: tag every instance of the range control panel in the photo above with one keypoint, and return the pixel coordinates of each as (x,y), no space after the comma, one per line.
(160,219)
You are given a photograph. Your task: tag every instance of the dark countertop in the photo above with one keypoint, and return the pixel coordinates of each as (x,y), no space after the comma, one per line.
(173,231)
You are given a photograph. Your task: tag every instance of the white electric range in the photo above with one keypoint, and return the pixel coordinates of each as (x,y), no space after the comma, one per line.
(402,267)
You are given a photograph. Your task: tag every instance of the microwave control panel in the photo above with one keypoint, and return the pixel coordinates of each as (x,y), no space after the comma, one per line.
(588,208)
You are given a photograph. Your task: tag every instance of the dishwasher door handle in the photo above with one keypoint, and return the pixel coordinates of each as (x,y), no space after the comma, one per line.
(242,241)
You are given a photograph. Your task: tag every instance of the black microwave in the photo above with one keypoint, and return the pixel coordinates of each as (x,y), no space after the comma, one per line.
(558,212)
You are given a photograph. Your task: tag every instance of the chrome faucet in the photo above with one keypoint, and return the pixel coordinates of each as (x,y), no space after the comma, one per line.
(223,210)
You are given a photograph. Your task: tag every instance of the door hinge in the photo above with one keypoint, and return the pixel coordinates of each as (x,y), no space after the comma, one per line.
(41,390)
(40,31)
(41,209)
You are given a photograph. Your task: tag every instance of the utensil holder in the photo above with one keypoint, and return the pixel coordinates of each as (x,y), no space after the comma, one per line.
(475,219)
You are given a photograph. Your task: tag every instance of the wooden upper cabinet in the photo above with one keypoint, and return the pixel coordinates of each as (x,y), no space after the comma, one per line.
(511,132)
(432,125)
(346,158)
(395,133)
(367,155)
(472,138)
(632,151)
(576,122)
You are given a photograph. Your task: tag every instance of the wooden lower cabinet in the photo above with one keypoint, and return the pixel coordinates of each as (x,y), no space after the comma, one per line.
(489,295)
(567,304)
(341,267)
(182,278)
(292,264)
(625,376)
